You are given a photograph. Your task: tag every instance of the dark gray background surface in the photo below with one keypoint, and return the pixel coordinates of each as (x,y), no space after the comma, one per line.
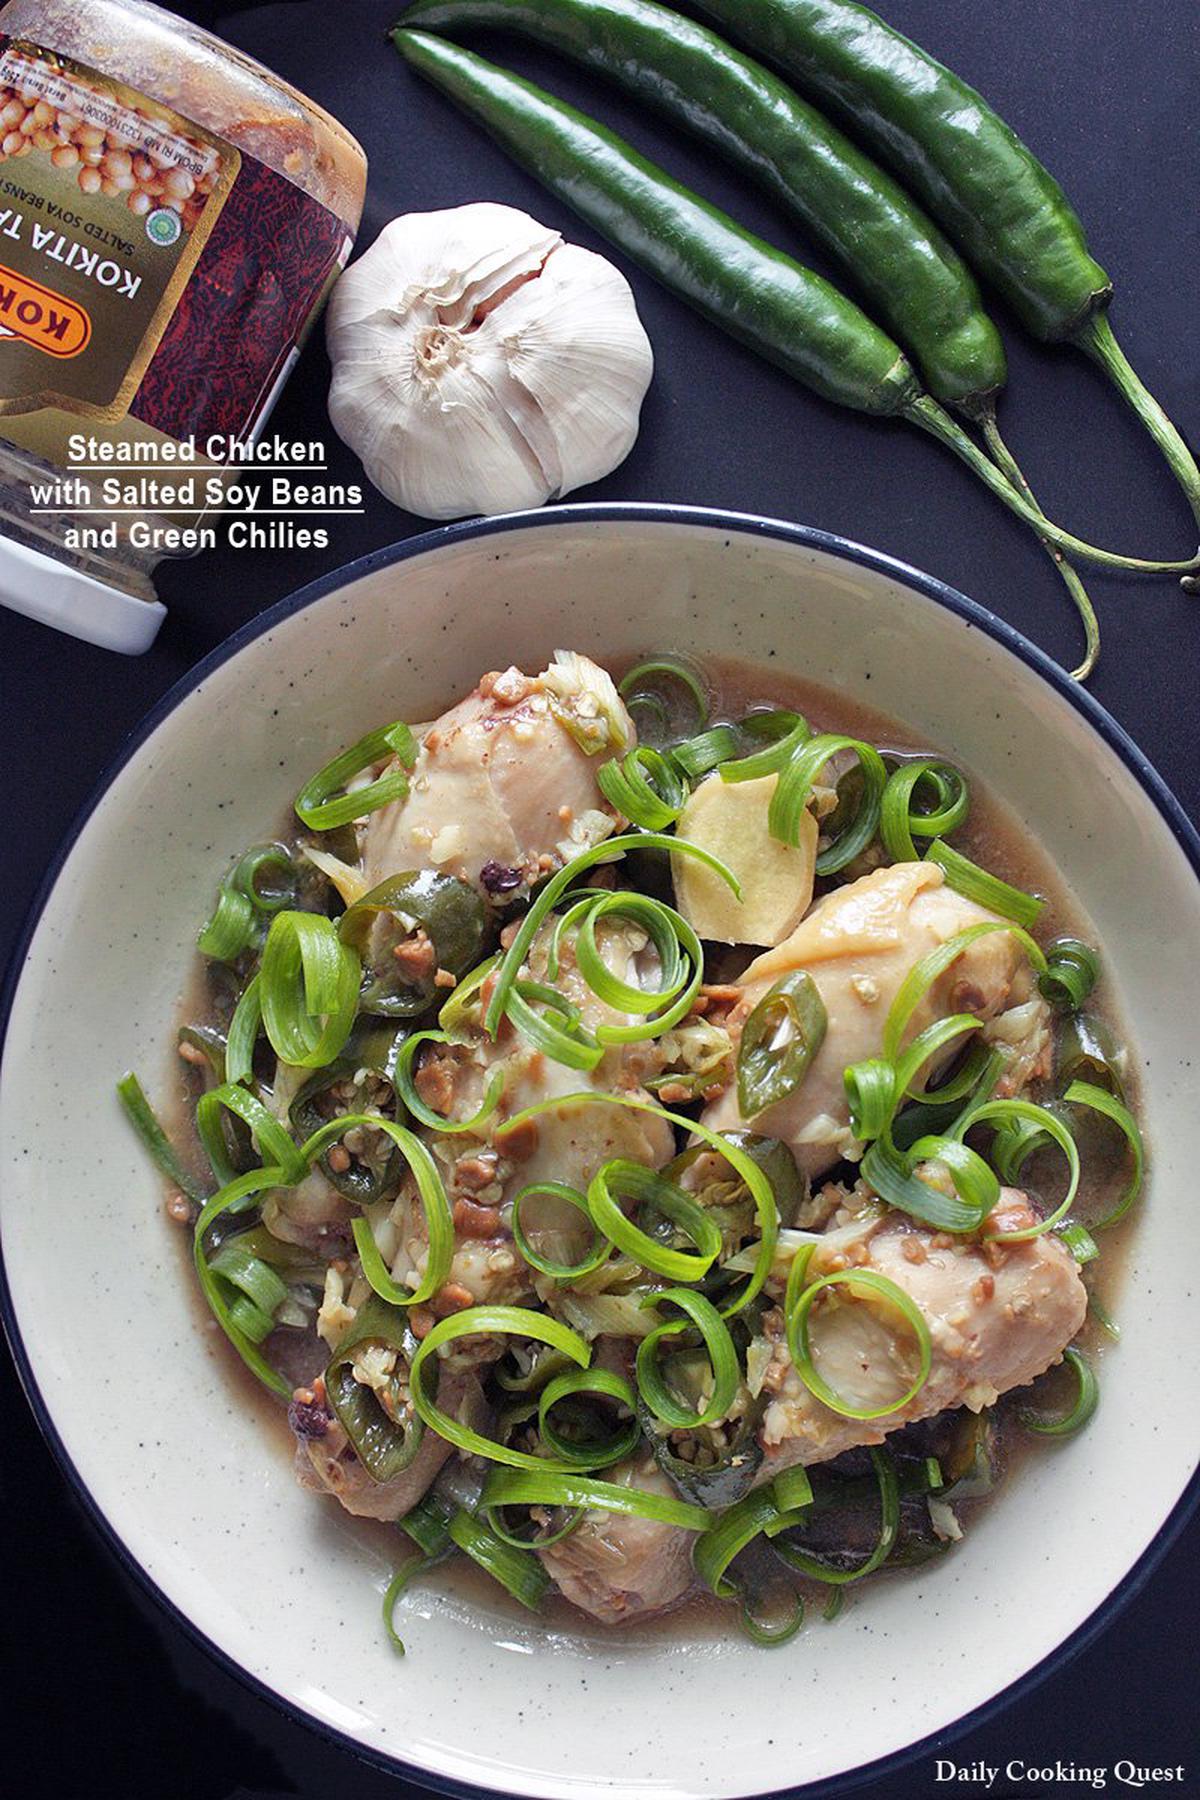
(101,1694)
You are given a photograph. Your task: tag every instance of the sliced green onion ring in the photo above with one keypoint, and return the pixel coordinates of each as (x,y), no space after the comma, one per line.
(515,1569)
(621,1179)
(439,1221)
(782,744)
(645,786)
(728,1535)
(901,820)
(308,988)
(974,883)
(609,850)
(801,1354)
(889,1173)
(1087,1399)
(922,975)
(258,1291)
(658,671)
(142,1117)
(244,1028)
(1072,969)
(805,1563)
(699,756)
(231,1198)
(273,1141)
(323,804)
(406,1088)
(779,1041)
(757,1183)
(590,1453)
(406,1573)
(796,783)
(570,1043)
(485,1321)
(595,1257)
(1084,1093)
(453,1015)
(230,930)
(538,1483)
(721,1355)
(1054,1128)
(1079,1241)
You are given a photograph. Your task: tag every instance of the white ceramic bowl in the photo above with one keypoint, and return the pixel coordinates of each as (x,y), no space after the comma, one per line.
(204,1506)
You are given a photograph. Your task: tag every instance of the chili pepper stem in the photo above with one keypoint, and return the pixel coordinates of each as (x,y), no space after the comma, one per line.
(1096,338)
(925,412)
(1003,457)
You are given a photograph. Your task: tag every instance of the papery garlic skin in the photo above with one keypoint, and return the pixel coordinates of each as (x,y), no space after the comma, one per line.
(482,365)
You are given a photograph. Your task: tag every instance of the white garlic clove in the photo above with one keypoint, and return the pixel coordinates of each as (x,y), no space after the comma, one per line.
(482,365)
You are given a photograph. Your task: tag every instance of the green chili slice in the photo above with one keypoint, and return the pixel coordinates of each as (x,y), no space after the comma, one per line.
(323,804)
(779,1041)
(384,1429)
(450,912)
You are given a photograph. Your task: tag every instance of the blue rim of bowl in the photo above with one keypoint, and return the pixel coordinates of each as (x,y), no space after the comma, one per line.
(615,513)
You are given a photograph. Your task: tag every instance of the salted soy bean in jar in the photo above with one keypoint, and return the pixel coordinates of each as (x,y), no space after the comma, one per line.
(172,216)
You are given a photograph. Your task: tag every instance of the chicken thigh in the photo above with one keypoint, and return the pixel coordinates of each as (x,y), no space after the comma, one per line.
(618,1567)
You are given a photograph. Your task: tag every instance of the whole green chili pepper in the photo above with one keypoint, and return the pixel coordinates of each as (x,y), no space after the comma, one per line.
(917,283)
(1003,209)
(752,290)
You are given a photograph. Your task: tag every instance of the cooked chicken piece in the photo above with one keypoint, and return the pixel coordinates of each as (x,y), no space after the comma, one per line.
(327,1463)
(859,943)
(618,1567)
(504,784)
(998,1314)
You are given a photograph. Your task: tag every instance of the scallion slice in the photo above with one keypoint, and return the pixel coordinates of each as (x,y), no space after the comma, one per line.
(258,1291)
(570,1042)
(597,1254)
(1087,1399)
(232,1197)
(800,1350)
(1079,1241)
(699,756)
(1025,1111)
(922,975)
(406,1088)
(142,1117)
(405,1575)
(623,1180)
(484,1321)
(592,1452)
(538,1483)
(611,849)
(274,1143)
(1083,1093)
(785,734)
(728,1535)
(806,1563)
(902,818)
(644,786)
(439,1221)
(519,1571)
(323,804)
(308,989)
(757,1183)
(722,1357)
(647,680)
(244,1028)
(1072,969)
(230,930)
(795,784)
(974,883)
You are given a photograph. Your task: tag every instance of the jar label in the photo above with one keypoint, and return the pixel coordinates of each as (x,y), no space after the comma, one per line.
(155,281)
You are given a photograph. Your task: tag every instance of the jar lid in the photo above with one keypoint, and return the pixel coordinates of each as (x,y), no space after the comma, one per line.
(71,601)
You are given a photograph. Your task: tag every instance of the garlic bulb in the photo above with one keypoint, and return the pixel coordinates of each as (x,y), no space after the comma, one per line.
(482,365)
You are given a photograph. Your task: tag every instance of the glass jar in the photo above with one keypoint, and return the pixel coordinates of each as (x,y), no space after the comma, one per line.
(172,216)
